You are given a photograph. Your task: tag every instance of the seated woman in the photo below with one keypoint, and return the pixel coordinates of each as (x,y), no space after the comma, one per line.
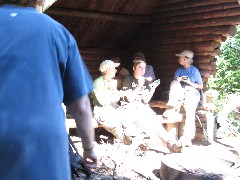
(185,86)
(142,88)
(137,107)
(149,72)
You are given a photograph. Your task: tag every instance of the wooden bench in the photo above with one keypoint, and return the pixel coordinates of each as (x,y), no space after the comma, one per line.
(176,124)
(172,125)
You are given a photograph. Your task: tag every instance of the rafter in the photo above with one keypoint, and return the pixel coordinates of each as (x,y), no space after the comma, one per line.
(99,15)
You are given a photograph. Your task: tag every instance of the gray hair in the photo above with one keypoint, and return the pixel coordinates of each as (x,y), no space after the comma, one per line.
(190,60)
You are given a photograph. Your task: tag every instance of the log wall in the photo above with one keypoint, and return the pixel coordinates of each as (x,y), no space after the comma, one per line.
(199,26)
(94,56)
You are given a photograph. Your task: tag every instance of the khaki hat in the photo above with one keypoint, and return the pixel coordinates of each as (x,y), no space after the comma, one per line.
(188,54)
(107,64)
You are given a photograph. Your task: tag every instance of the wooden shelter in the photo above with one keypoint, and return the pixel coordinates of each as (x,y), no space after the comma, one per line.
(159,28)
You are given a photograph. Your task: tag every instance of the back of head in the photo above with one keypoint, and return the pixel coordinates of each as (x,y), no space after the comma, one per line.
(23,3)
(116,59)
(139,55)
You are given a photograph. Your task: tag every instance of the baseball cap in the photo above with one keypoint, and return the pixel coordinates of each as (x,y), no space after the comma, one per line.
(107,64)
(188,54)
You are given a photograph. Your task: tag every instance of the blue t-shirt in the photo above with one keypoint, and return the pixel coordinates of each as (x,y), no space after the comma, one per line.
(192,72)
(40,67)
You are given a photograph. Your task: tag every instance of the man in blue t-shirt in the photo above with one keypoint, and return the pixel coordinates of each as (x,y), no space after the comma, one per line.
(40,67)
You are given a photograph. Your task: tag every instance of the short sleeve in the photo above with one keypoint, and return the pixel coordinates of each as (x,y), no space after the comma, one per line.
(77,81)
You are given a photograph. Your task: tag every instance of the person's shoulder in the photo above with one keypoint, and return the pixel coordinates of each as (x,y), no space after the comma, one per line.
(128,76)
(124,72)
(149,67)
(180,69)
(55,26)
(98,79)
(194,68)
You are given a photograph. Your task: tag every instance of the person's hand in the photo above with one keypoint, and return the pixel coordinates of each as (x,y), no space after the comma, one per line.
(90,159)
(186,79)
(141,82)
(179,78)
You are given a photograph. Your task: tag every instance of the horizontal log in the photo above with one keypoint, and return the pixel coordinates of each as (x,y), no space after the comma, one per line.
(92,63)
(204,59)
(207,66)
(93,69)
(189,4)
(225,30)
(173,64)
(201,9)
(164,2)
(198,46)
(97,57)
(206,73)
(200,16)
(192,46)
(84,50)
(199,23)
(216,52)
(194,38)
(176,40)
(155,56)
(97,15)
(170,52)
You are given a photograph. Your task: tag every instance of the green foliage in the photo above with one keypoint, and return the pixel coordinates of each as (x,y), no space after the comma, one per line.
(227,78)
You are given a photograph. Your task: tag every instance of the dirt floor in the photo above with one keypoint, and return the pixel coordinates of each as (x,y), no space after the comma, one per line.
(133,162)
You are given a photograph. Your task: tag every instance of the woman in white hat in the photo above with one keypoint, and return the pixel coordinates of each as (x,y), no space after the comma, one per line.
(185,86)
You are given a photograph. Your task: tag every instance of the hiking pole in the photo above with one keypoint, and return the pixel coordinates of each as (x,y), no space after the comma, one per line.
(204,130)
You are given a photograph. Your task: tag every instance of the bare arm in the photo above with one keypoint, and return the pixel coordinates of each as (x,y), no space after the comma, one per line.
(188,81)
(82,113)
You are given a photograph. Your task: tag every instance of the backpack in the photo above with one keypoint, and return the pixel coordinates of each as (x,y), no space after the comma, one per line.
(76,163)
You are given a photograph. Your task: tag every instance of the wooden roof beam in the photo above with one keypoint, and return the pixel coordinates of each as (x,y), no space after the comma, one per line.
(189,4)
(97,15)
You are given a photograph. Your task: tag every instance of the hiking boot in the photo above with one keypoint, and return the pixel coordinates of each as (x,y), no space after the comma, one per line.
(174,146)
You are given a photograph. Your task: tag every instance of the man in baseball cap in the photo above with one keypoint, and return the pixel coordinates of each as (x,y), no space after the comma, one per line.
(106,64)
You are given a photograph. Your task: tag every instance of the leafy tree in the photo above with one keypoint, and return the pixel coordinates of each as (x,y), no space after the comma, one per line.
(227,77)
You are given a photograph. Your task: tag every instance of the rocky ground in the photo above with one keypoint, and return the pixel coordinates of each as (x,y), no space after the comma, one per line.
(133,162)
